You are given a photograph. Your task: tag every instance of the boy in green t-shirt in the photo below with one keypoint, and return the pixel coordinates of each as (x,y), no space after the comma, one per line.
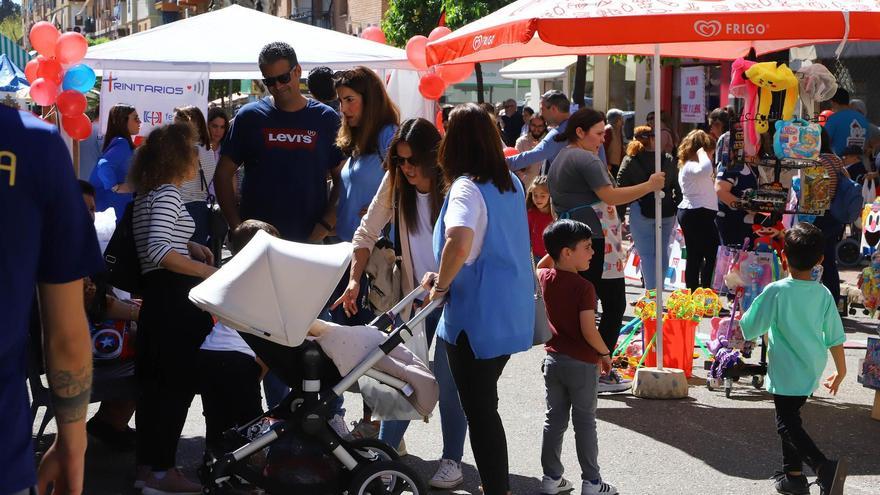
(801,321)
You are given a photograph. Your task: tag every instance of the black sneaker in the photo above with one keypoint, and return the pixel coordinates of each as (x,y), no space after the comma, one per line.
(123,441)
(831,477)
(787,484)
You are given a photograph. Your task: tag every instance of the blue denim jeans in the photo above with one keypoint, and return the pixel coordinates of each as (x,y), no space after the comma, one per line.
(642,229)
(452,420)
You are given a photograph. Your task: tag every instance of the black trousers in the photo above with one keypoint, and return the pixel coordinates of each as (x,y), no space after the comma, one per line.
(170,331)
(833,232)
(477,382)
(611,293)
(229,383)
(797,446)
(701,241)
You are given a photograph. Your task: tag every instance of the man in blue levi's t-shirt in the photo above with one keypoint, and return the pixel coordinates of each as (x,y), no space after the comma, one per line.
(287,146)
(847,127)
(46,238)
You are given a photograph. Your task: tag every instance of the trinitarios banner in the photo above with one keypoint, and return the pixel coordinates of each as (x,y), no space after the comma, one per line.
(155,95)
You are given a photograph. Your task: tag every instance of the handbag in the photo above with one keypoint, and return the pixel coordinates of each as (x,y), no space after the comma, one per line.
(384,273)
(121,256)
(217,226)
(542,324)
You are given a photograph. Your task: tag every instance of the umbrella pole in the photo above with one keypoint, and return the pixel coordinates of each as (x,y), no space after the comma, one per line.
(658,215)
(658,383)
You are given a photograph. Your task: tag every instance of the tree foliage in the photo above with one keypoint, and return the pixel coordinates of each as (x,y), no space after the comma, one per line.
(407,18)
(12,28)
(9,8)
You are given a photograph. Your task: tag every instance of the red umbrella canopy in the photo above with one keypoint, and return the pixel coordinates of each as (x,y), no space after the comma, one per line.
(716,29)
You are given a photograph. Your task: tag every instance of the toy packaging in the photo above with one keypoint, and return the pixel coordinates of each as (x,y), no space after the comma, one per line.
(869,283)
(870,228)
(797,139)
(815,196)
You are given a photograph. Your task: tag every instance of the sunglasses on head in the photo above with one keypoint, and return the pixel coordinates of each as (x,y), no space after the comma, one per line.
(283,79)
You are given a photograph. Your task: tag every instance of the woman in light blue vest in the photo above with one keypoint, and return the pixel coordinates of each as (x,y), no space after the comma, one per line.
(481,241)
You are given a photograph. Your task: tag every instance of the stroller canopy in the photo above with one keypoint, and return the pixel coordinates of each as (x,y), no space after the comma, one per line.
(274,289)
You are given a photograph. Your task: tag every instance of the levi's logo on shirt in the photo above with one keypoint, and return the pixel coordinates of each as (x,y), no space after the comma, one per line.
(292,139)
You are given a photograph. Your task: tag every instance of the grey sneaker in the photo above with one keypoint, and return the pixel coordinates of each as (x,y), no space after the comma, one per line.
(448,475)
(600,488)
(550,486)
(787,484)
(337,422)
(612,382)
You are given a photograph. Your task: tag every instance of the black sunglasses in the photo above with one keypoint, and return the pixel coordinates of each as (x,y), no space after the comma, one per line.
(283,79)
(400,160)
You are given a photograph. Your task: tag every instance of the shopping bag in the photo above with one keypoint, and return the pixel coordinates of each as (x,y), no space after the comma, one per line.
(633,269)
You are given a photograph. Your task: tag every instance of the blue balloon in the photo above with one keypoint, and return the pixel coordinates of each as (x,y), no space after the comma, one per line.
(80,77)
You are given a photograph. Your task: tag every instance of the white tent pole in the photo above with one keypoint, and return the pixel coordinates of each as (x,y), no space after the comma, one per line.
(658,215)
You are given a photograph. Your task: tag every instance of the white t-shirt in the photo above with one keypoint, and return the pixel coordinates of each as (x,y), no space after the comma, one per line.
(697,181)
(223,338)
(421,241)
(467,208)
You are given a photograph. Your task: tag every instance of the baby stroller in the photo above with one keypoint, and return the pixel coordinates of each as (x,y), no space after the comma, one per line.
(271,292)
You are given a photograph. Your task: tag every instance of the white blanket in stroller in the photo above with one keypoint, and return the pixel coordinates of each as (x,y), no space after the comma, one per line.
(347,346)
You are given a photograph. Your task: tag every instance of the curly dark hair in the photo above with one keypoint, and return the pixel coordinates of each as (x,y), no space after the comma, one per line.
(167,155)
(275,51)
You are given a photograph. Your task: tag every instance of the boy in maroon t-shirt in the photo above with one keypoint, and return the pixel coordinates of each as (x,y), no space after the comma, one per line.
(575,354)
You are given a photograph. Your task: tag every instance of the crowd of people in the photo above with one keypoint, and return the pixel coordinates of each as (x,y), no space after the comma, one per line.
(467,222)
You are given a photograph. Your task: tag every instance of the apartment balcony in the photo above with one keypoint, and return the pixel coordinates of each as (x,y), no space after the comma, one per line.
(323,19)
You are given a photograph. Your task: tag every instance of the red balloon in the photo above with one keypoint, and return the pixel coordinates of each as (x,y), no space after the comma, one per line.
(49,69)
(508,151)
(439,32)
(71,102)
(71,48)
(438,122)
(431,86)
(44,92)
(823,116)
(30,70)
(415,52)
(454,73)
(77,126)
(374,33)
(43,37)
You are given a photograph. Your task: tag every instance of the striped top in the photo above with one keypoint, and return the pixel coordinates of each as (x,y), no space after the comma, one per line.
(161,224)
(194,190)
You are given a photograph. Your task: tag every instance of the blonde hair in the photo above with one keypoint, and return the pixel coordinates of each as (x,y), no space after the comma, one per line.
(539,181)
(691,143)
(635,146)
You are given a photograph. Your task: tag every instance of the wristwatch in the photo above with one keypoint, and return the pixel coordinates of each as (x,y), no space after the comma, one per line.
(324,224)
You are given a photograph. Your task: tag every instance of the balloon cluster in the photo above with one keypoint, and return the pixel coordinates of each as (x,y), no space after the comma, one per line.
(58,79)
(433,84)
(681,305)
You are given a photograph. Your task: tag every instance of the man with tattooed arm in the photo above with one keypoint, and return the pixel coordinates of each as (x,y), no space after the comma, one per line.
(46,239)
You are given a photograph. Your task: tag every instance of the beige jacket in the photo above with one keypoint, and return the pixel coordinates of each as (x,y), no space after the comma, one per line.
(379,214)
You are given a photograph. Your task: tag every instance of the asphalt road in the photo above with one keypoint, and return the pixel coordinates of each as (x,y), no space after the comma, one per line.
(703,444)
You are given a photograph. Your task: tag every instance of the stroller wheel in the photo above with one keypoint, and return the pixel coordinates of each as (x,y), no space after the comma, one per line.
(386,478)
(848,252)
(758,381)
(370,447)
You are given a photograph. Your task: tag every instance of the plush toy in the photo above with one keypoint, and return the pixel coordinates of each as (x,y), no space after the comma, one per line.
(770,238)
(772,78)
(817,84)
(741,87)
(869,283)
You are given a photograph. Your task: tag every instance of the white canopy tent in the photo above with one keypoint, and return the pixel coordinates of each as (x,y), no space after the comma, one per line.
(226,43)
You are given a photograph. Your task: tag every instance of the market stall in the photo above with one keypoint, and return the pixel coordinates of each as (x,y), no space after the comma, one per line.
(723,29)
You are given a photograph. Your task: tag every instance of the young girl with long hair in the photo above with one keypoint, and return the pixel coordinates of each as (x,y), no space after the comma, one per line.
(539,214)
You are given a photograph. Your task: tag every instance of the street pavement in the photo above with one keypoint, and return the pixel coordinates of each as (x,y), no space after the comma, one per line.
(703,444)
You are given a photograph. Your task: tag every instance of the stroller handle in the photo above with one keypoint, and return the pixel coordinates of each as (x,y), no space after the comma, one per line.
(386,319)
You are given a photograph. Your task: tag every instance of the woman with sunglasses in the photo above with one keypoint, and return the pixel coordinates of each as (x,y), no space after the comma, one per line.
(110,174)
(369,121)
(410,197)
(636,167)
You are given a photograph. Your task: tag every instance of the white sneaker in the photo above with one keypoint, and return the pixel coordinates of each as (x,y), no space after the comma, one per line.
(337,422)
(448,475)
(600,488)
(550,486)
(612,382)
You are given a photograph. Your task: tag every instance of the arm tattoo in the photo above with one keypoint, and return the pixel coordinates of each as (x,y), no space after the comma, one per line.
(71,391)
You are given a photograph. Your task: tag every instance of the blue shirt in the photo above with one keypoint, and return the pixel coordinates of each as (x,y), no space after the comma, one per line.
(846,127)
(286,157)
(112,169)
(361,177)
(46,236)
(547,149)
